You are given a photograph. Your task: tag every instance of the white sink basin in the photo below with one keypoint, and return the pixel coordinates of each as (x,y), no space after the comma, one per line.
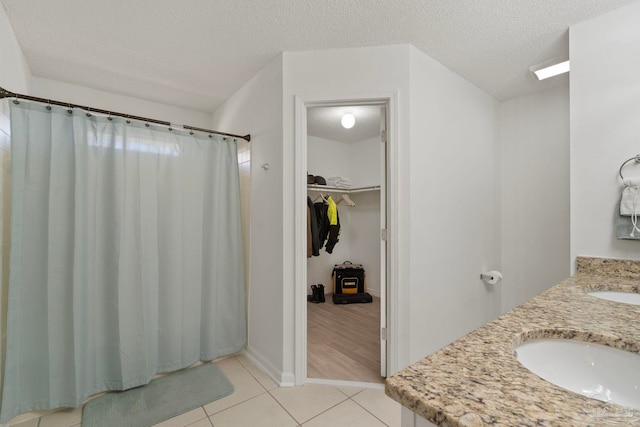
(593,370)
(624,297)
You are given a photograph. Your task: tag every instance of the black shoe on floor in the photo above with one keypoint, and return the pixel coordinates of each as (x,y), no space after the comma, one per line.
(314,297)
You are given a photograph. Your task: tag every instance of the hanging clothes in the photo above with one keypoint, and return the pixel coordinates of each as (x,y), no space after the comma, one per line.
(313,234)
(322,220)
(309,238)
(328,222)
(334,225)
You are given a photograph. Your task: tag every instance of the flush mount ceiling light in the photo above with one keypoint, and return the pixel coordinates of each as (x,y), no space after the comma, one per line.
(553,70)
(348,121)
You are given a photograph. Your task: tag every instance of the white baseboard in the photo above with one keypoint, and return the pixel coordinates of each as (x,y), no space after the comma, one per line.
(283,379)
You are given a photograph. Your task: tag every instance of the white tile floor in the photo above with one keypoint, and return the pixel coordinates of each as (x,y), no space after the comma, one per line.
(258,401)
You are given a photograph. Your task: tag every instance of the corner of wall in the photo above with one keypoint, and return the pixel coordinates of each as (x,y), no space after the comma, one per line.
(534,130)
(604,78)
(453,157)
(257,108)
(283,379)
(15,73)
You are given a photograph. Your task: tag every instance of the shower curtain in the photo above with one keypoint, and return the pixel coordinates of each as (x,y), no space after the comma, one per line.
(126,255)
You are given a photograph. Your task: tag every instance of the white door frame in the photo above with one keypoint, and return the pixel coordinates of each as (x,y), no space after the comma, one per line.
(302,102)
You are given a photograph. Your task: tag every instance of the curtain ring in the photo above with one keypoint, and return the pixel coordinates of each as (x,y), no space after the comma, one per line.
(210,136)
(109,116)
(15,101)
(128,120)
(70,109)
(48,107)
(88,112)
(147,124)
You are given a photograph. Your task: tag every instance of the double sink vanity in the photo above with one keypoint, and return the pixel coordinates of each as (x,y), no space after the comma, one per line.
(568,357)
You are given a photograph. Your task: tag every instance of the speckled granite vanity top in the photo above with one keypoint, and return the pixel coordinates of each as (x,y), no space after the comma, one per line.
(477,380)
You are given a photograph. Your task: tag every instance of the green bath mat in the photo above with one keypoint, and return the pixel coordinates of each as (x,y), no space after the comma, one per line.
(159,400)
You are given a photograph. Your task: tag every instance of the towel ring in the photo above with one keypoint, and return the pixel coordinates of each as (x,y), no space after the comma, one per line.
(637,160)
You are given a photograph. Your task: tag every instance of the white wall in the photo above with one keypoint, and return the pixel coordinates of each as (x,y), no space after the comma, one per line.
(257,109)
(534,140)
(454,206)
(358,161)
(82,95)
(326,157)
(605,129)
(366,154)
(15,74)
(341,74)
(448,154)
(364,237)
(364,228)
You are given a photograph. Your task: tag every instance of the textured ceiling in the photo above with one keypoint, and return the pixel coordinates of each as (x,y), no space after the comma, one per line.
(196,53)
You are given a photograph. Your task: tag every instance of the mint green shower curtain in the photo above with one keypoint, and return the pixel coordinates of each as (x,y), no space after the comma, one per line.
(126,255)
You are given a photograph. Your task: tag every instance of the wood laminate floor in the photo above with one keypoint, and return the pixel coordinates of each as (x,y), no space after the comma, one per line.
(343,341)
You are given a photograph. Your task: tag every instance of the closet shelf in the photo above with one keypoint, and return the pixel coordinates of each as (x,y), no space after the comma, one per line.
(330,189)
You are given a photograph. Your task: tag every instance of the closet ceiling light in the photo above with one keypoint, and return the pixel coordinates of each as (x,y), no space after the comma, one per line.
(553,70)
(348,121)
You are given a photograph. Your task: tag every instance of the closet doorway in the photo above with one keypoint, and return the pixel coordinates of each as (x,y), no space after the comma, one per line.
(347,164)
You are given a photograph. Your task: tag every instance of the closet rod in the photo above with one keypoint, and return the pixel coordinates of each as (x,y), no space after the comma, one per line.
(7,94)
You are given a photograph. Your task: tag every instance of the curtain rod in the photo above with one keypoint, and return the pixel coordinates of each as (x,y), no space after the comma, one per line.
(7,94)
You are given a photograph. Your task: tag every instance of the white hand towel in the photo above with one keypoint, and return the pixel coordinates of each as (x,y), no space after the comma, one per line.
(631,182)
(630,201)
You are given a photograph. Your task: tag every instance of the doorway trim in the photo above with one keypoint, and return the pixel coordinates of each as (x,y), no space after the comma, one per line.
(302,102)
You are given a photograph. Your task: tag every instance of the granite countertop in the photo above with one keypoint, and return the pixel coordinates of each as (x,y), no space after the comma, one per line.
(477,380)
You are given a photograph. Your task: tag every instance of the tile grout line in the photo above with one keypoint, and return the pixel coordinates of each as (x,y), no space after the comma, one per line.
(232,406)
(320,413)
(368,411)
(206,416)
(298,424)
(246,400)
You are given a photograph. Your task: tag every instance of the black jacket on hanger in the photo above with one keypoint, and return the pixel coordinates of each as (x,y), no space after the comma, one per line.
(314,232)
(323,222)
(326,232)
